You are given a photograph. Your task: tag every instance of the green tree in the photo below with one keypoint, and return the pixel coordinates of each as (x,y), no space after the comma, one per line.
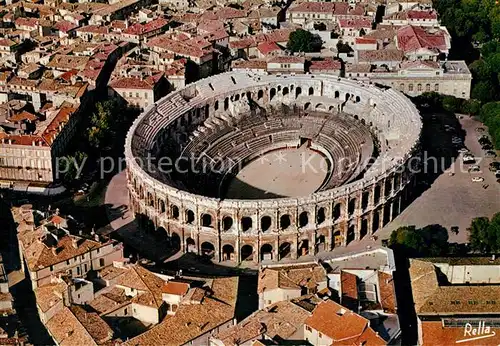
(484,234)
(480,70)
(431,240)
(69,165)
(483,91)
(471,106)
(451,103)
(300,41)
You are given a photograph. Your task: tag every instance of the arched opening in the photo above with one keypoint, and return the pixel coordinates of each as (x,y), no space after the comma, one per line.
(265,223)
(216,105)
(190,245)
(151,201)
(206,220)
(351,207)
(303,219)
(387,214)
(311,91)
(285,91)
(174,212)
(395,208)
(364,228)
(347,96)
(228,253)
(260,94)
(376,197)
(298,91)
(375,221)
(356,117)
(307,105)
(285,221)
(272,93)
(388,187)
(321,243)
(284,250)
(320,215)
(237,97)
(319,106)
(175,241)
(351,234)
(304,247)
(226,104)
(364,200)
(246,223)
(207,111)
(161,206)
(227,223)
(337,238)
(337,211)
(207,249)
(246,253)
(358,99)
(337,94)
(190,216)
(266,252)
(363,121)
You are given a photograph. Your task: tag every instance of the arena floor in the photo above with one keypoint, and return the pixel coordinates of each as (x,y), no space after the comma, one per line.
(281,173)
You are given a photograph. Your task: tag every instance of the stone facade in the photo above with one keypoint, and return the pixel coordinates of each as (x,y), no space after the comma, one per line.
(262,229)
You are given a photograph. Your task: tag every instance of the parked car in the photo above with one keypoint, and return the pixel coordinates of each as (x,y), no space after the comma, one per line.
(494,166)
(490,153)
(480,129)
(478,179)
(475,169)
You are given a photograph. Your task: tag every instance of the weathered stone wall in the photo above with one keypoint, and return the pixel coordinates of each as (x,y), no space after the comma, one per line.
(274,228)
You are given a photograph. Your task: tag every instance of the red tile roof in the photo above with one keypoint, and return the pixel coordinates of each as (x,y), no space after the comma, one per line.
(140,29)
(176,288)
(64,26)
(434,334)
(327,64)
(412,38)
(356,23)
(362,40)
(268,47)
(430,14)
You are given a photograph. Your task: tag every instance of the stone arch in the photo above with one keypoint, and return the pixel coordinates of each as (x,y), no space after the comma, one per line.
(298,91)
(260,94)
(265,223)
(207,111)
(365,198)
(347,96)
(337,211)
(307,105)
(351,207)
(246,253)
(285,91)
(351,234)
(358,98)
(226,104)
(161,206)
(364,228)
(151,201)
(363,121)
(320,215)
(174,212)
(246,223)
(228,252)
(376,194)
(319,106)
(285,221)
(206,220)
(266,252)
(227,223)
(356,117)
(190,218)
(303,219)
(337,94)
(388,187)
(311,91)
(207,249)
(175,241)
(190,245)
(237,97)
(272,93)
(304,247)
(321,243)
(375,221)
(216,105)
(285,250)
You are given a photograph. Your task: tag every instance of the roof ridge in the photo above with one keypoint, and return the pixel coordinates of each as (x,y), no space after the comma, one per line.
(145,284)
(80,323)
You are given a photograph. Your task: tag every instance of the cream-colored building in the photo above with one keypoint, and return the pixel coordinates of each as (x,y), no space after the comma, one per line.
(416,77)
(48,250)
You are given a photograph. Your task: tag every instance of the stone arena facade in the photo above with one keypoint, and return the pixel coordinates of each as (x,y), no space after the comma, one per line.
(205,118)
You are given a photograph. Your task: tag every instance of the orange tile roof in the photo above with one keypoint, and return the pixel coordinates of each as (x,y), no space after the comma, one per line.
(435,334)
(176,288)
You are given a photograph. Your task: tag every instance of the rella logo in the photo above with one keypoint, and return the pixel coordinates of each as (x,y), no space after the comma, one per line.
(481,331)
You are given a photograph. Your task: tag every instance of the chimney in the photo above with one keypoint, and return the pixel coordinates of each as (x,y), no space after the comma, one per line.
(74,242)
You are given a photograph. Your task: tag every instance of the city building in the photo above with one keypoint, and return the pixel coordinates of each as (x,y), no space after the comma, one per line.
(456,300)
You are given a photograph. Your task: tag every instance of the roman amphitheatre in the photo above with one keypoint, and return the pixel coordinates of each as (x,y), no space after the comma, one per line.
(251,167)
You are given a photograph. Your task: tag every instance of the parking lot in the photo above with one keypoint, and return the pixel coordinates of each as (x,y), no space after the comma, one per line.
(454,199)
